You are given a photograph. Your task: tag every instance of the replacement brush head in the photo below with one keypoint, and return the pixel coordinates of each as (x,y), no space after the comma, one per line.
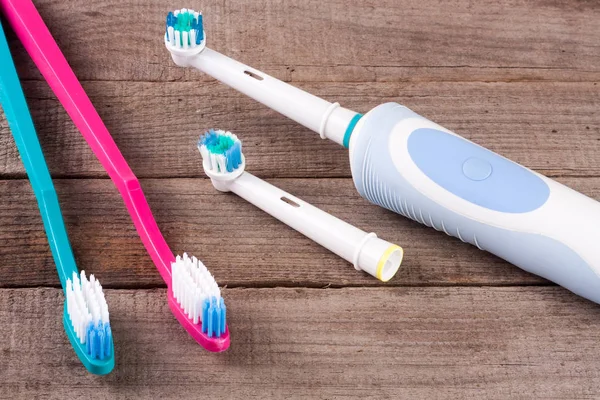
(184,34)
(222,157)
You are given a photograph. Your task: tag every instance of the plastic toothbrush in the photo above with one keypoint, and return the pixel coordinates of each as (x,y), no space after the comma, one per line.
(194,297)
(405,163)
(225,164)
(85,313)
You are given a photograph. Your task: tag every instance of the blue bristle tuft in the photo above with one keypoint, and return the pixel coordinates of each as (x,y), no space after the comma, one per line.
(205,307)
(209,139)
(107,339)
(223,322)
(98,340)
(211,321)
(90,342)
(171,19)
(214,317)
(101,345)
(200,28)
(234,156)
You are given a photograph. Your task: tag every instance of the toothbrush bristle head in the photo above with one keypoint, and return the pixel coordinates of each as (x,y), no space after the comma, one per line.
(185,29)
(87,313)
(198,295)
(221,151)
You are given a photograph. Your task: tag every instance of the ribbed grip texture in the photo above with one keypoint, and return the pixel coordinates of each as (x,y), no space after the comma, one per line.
(379,193)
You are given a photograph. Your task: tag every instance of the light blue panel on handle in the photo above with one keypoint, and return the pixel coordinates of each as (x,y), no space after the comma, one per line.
(476,174)
(377,179)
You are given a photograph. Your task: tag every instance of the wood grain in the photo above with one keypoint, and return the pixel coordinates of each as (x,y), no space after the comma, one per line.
(438,343)
(338,40)
(520,77)
(241,245)
(553,128)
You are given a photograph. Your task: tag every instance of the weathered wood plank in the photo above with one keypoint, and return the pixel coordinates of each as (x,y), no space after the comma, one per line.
(240,244)
(300,40)
(442,343)
(553,128)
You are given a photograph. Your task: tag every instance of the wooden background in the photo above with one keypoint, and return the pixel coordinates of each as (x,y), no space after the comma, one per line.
(518,77)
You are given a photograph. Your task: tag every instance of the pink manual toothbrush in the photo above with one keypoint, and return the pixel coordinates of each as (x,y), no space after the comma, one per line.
(194,296)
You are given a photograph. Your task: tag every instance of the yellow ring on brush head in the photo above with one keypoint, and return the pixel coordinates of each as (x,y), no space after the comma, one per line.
(384,259)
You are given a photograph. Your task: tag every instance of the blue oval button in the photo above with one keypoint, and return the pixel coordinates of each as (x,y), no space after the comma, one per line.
(476,174)
(477,169)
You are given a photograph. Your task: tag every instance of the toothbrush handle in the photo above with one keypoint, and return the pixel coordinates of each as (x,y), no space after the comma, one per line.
(21,125)
(37,40)
(330,232)
(321,116)
(410,165)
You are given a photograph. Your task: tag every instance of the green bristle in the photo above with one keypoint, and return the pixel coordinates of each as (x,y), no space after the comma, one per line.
(220,146)
(184,21)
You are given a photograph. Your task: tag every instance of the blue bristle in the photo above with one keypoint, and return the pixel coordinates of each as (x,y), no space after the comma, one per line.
(200,28)
(107,339)
(211,320)
(223,321)
(98,339)
(91,339)
(210,138)
(214,317)
(234,156)
(207,138)
(205,307)
(171,19)
(101,344)
(218,328)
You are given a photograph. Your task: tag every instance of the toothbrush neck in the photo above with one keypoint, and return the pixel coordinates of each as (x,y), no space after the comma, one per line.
(329,120)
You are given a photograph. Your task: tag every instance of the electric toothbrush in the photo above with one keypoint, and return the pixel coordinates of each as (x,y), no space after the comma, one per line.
(414,167)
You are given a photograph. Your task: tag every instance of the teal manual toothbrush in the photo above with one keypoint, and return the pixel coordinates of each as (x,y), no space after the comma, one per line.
(85,315)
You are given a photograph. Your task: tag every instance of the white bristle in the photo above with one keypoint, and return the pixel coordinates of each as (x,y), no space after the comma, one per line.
(178,38)
(85,304)
(185,39)
(192,283)
(171,35)
(193,38)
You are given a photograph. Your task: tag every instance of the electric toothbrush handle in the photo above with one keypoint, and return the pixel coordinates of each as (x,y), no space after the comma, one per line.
(367,252)
(329,120)
(408,164)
